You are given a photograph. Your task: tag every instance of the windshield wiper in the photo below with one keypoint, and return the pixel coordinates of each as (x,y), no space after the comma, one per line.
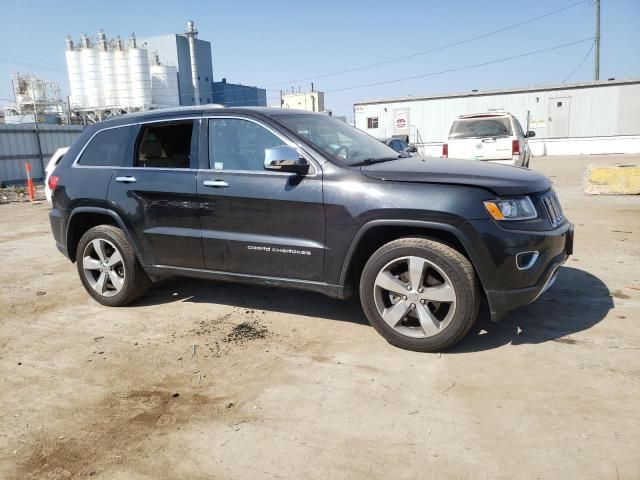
(370,161)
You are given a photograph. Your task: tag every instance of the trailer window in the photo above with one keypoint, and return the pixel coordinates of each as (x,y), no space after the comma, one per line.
(372,122)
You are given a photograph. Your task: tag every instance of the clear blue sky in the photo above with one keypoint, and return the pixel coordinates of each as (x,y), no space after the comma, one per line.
(267,42)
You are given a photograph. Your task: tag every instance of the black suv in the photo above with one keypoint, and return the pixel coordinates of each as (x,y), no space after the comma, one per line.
(297,199)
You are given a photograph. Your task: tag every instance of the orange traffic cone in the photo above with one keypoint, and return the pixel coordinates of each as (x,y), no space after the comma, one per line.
(30,188)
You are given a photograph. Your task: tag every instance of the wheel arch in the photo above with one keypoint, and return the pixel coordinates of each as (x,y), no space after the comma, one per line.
(376,233)
(85,218)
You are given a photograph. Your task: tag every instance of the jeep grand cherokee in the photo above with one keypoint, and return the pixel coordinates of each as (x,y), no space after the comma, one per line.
(297,199)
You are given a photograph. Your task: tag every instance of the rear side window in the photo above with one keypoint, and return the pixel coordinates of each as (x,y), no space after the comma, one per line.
(106,148)
(480,127)
(164,145)
(519,130)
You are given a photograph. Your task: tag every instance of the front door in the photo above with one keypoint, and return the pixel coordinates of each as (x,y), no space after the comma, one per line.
(156,194)
(559,109)
(254,221)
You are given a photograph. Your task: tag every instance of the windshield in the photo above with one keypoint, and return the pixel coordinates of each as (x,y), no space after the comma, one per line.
(339,140)
(481,127)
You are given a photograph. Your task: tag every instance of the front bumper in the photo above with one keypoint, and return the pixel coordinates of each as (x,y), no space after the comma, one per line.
(556,250)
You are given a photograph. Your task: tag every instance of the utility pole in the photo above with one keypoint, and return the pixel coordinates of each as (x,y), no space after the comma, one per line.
(596,72)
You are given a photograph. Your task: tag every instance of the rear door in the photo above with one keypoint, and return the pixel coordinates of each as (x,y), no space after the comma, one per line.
(156,193)
(559,109)
(254,221)
(481,138)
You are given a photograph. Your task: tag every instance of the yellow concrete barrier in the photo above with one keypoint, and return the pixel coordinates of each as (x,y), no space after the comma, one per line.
(612,180)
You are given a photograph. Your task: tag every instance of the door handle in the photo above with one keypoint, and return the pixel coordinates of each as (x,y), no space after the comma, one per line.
(215,183)
(126,179)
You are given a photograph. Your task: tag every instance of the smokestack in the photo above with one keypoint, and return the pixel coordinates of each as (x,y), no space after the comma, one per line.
(191,34)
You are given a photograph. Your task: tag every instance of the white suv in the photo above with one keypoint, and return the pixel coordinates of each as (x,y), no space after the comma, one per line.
(493,137)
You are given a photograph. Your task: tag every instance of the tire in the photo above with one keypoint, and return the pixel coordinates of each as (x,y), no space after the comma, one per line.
(443,309)
(111,280)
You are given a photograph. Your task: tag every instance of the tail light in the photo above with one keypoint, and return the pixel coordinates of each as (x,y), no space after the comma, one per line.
(445,150)
(53,182)
(515,147)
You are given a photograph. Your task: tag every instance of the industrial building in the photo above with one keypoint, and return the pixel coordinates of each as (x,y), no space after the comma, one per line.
(592,117)
(312,101)
(191,57)
(36,100)
(112,77)
(235,95)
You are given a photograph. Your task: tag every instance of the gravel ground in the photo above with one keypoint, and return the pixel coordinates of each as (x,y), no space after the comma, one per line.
(212,380)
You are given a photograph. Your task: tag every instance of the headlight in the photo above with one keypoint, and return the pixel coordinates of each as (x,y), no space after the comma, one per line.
(520,208)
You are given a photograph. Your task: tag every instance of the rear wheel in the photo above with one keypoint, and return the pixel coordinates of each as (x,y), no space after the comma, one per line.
(419,294)
(108,267)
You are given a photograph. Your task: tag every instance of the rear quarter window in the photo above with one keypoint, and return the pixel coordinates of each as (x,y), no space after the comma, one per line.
(480,127)
(107,148)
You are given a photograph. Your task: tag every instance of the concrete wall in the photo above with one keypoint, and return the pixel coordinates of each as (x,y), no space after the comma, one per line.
(564,146)
(19,145)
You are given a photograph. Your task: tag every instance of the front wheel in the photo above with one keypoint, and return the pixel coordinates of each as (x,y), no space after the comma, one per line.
(108,267)
(419,294)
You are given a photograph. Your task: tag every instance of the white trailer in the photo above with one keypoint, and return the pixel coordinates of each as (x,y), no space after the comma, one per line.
(580,118)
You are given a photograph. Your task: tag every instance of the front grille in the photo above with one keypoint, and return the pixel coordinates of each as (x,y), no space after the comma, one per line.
(554,210)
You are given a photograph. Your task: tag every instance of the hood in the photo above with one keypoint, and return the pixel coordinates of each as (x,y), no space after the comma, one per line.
(500,179)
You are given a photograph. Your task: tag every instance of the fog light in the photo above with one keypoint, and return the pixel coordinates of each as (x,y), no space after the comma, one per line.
(526,260)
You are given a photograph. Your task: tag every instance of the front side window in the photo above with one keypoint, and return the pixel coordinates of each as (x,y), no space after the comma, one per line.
(481,127)
(164,145)
(238,144)
(397,145)
(372,122)
(107,148)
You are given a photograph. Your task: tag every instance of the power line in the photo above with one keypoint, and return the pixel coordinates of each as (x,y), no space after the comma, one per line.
(581,63)
(466,67)
(31,60)
(436,49)
(27,64)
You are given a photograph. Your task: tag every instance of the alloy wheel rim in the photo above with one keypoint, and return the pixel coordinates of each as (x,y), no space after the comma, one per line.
(415,297)
(103,267)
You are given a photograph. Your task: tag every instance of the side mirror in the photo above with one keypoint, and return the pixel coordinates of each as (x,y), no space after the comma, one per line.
(413,149)
(285,159)
(530,134)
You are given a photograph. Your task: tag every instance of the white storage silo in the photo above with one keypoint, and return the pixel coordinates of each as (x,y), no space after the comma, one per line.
(74,69)
(107,71)
(109,87)
(139,75)
(92,75)
(121,64)
(164,86)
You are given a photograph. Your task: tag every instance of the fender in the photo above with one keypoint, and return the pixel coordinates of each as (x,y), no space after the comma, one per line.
(474,257)
(112,214)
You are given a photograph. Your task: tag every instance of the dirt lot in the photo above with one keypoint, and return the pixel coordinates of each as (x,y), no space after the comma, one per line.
(211,380)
